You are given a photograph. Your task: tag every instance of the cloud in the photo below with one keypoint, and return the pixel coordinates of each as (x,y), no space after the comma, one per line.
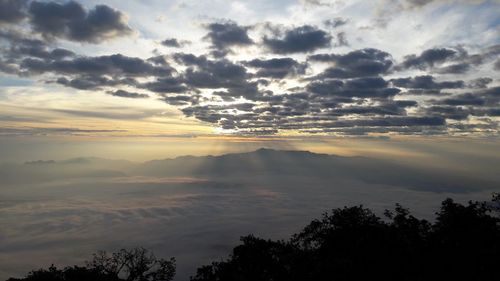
(320,3)
(283,84)
(174,43)
(336,22)
(341,39)
(166,85)
(224,35)
(463,99)
(456,60)
(21,46)
(496,66)
(458,68)
(428,58)
(480,83)
(426,82)
(359,63)
(126,94)
(94,82)
(277,67)
(51,131)
(301,39)
(71,21)
(12,11)
(359,87)
(112,65)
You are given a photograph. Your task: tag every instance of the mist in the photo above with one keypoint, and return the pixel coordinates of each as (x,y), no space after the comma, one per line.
(196,208)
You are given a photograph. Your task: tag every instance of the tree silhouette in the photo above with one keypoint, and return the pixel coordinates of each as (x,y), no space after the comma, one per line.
(130,265)
(355,244)
(347,244)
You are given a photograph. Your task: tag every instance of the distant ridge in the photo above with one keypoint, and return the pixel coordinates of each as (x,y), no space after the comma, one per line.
(264,164)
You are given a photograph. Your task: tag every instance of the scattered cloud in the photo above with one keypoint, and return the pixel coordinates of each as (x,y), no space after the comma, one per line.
(301,39)
(70,20)
(262,77)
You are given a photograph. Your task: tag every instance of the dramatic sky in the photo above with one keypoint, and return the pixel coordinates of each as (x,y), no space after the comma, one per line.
(188,74)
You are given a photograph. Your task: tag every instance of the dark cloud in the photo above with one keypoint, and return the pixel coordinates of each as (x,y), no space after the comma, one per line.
(458,68)
(496,66)
(302,39)
(225,35)
(126,94)
(20,46)
(388,108)
(277,67)
(448,112)
(449,61)
(352,96)
(102,65)
(172,42)
(166,85)
(392,121)
(71,21)
(418,3)
(94,82)
(359,63)
(464,99)
(341,39)
(426,82)
(181,100)
(480,83)
(336,22)
(359,87)
(12,11)
(214,74)
(428,58)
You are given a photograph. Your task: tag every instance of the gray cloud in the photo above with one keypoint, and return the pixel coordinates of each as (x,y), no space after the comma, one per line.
(479,83)
(458,68)
(464,99)
(301,39)
(224,35)
(359,63)
(426,82)
(496,66)
(428,58)
(126,94)
(456,60)
(166,85)
(71,21)
(173,42)
(20,46)
(12,11)
(94,82)
(341,39)
(277,67)
(102,65)
(359,87)
(336,22)
(28,131)
(354,86)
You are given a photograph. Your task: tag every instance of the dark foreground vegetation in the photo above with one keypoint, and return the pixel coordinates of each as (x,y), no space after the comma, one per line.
(346,244)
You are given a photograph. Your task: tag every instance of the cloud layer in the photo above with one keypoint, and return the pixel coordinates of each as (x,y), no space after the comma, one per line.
(263,78)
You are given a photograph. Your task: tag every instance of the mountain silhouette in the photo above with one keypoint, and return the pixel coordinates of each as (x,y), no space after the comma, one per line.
(267,164)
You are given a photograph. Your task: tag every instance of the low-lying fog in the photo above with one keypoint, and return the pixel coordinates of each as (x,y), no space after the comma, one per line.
(196,208)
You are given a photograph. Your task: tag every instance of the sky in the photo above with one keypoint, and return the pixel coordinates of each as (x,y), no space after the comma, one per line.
(204,77)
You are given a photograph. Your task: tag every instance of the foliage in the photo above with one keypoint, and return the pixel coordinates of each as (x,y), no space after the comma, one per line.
(355,244)
(131,265)
(350,243)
